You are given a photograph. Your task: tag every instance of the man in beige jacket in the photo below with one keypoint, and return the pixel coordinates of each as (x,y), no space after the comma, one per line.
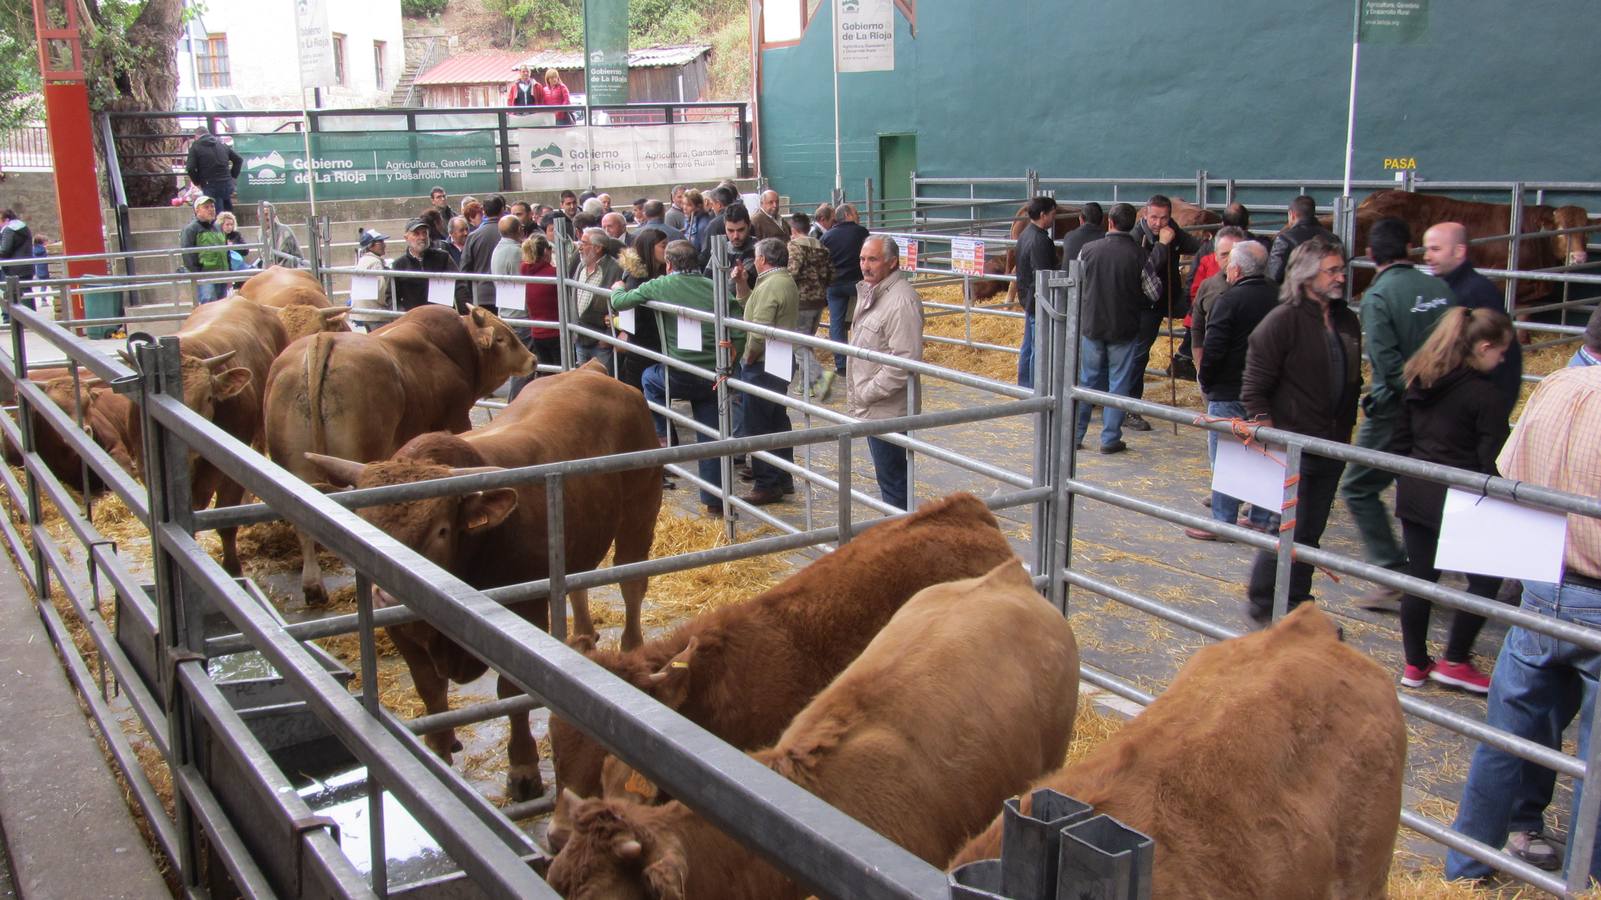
(889,319)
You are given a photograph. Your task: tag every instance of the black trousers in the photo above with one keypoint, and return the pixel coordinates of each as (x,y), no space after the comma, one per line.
(1150,326)
(1421,540)
(1320,481)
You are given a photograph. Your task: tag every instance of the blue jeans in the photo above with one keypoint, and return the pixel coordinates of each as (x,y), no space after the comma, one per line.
(840,297)
(1224,507)
(1104,367)
(766,417)
(889,461)
(599,350)
(1025,354)
(206,293)
(1539,684)
(702,397)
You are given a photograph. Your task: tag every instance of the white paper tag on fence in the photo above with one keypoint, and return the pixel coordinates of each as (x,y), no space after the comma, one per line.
(623,319)
(442,291)
(688,333)
(778,359)
(1487,536)
(511,297)
(1249,474)
(363,288)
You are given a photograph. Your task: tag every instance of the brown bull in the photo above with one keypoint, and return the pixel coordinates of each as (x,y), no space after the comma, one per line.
(498,537)
(1270,770)
(1422,211)
(744,671)
(361,396)
(297,296)
(110,419)
(963,697)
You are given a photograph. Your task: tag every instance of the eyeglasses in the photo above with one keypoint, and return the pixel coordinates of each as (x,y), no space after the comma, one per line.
(1333,270)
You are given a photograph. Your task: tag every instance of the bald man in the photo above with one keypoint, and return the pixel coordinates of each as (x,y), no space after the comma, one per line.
(616,228)
(1445,248)
(765,222)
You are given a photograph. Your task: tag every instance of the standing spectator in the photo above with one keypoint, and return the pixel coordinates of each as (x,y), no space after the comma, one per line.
(695,218)
(596,268)
(479,250)
(1540,682)
(676,212)
(822,220)
(213,167)
(1201,302)
(1092,227)
(741,247)
(41,250)
(521,92)
(229,226)
(475,213)
(765,221)
(813,270)
(616,228)
(436,199)
(569,205)
(653,221)
(16,242)
(205,242)
(636,216)
(456,244)
(605,204)
(554,93)
(774,302)
(1589,352)
(889,319)
(719,198)
(684,285)
(370,257)
(279,246)
(422,256)
(1225,341)
(844,243)
(1303,372)
(1398,312)
(646,259)
(438,226)
(1163,241)
(1445,248)
(507,257)
(525,215)
(1303,227)
(1451,416)
(1036,252)
(1113,298)
(542,302)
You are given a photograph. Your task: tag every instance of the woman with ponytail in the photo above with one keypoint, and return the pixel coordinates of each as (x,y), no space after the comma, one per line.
(1451,414)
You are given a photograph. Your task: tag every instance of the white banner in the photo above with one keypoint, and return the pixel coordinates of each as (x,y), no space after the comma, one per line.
(557,158)
(315,42)
(865,36)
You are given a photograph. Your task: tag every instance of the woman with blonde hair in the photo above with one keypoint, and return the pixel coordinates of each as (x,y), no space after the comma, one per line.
(1451,414)
(554,93)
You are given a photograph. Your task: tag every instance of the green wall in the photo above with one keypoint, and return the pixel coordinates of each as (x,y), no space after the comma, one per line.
(1140,88)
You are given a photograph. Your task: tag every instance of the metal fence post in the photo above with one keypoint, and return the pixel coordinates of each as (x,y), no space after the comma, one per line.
(1228,193)
(1067,344)
(844,500)
(501,121)
(563,293)
(19,356)
(1581,842)
(1202,187)
(867,204)
(1513,244)
(314,249)
(723,357)
(1032,176)
(370,701)
(555,531)
(1288,515)
(1045,427)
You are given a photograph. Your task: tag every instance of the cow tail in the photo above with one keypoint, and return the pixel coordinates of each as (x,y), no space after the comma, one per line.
(317,358)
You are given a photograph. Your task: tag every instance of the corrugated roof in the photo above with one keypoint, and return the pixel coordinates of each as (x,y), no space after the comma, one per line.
(478,67)
(639,58)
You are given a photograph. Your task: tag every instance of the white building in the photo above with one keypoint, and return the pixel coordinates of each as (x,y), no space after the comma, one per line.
(240,54)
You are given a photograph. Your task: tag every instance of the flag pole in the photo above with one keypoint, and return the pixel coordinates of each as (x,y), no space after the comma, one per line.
(839,180)
(305,120)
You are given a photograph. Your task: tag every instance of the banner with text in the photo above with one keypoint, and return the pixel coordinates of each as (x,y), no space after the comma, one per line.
(366,165)
(314,43)
(557,158)
(865,35)
(606,51)
(1393,21)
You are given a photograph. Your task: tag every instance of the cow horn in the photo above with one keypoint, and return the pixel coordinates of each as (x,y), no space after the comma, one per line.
(333,312)
(343,470)
(212,362)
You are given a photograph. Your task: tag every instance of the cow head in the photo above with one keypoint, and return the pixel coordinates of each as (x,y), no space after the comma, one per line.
(435,527)
(206,382)
(58,455)
(1571,248)
(501,355)
(616,852)
(300,321)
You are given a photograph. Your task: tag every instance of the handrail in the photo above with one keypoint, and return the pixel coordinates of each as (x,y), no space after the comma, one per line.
(422,66)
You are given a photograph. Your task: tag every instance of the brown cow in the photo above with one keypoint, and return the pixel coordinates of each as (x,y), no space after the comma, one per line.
(742,672)
(964,696)
(297,296)
(110,419)
(361,396)
(1271,768)
(497,537)
(1421,211)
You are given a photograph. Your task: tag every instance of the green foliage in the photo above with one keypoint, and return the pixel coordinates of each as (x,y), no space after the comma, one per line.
(20,100)
(421,9)
(560,23)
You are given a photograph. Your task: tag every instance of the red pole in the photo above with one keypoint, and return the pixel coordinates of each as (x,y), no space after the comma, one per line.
(66,101)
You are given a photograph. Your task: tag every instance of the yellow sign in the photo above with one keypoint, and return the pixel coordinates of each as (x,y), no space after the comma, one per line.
(1398,163)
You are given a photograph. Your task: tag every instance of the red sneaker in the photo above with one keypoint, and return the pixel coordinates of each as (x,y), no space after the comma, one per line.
(1461,675)
(1416,676)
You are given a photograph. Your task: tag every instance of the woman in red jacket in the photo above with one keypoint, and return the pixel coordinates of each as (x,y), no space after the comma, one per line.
(544,341)
(554,93)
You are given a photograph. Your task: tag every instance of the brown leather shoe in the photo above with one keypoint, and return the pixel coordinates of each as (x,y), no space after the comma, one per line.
(1200,535)
(763,498)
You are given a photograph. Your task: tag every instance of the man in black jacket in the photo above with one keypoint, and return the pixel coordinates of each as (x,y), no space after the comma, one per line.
(1113,300)
(1303,227)
(421,256)
(213,166)
(1036,252)
(1445,247)
(1234,315)
(1303,372)
(480,247)
(844,244)
(16,242)
(1163,242)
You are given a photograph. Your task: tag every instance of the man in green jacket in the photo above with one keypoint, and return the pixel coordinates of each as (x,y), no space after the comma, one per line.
(202,233)
(1398,312)
(774,302)
(684,285)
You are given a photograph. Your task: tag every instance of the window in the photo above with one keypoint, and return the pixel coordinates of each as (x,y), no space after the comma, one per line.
(339,59)
(211,62)
(783,21)
(378,53)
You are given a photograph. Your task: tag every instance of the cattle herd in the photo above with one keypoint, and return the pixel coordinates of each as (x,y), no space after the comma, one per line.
(913,677)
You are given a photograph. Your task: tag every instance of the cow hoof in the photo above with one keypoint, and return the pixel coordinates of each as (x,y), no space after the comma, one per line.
(455,746)
(523,783)
(315,595)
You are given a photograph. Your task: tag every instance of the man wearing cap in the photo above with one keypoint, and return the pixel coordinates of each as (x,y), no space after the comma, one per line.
(411,293)
(213,166)
(371,257)
(199,234)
